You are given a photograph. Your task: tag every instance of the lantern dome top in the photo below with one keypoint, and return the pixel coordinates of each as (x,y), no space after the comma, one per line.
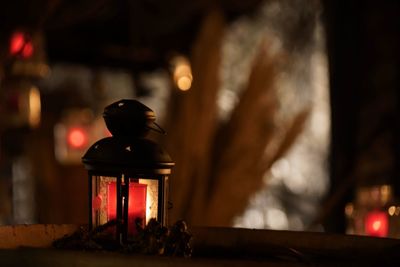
(129,117)
(127,151)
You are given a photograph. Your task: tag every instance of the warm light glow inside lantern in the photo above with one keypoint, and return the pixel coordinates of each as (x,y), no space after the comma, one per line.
(128,174)
(142,203)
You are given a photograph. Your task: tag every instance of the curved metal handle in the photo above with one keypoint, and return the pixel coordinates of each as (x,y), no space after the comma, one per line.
(158,129)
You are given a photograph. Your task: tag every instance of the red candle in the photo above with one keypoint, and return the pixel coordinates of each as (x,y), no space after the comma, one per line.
(136,204)
(377,224)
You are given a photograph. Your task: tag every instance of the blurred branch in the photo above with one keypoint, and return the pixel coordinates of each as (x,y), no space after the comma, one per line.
(192,116)
(290,136)
(236,174)
(219,167)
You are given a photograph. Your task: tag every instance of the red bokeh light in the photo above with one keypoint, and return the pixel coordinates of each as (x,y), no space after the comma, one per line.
(17,42)
(77,138)
(377,224)
(27,51)
(20,44)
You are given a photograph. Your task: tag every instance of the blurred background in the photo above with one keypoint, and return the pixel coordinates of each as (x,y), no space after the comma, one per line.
(280,114)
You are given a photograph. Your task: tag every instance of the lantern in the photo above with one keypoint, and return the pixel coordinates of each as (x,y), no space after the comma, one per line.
(375,212)
(128,174)
(377,223)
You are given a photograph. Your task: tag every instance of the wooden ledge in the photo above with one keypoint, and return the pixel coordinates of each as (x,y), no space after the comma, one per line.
(211,245)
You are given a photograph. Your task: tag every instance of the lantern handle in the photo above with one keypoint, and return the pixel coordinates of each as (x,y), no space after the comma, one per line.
(158,129)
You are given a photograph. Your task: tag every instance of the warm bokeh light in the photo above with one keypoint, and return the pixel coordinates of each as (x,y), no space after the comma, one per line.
(397,212)
(34,107)
(182,73)
(184,83)
(77,138)
(392,210)
(182,67)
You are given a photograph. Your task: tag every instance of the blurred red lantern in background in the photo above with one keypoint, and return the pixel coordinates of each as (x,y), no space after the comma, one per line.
(377,224)
(77,137)
(21,45)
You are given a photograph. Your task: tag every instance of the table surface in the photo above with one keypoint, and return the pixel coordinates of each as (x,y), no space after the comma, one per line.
(30,245)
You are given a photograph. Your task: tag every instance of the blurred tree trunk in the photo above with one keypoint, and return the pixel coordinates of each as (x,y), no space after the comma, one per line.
(219,166)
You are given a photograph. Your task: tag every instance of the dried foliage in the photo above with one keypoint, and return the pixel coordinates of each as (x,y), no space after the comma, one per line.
(193,119)
(220,166)
(154,239)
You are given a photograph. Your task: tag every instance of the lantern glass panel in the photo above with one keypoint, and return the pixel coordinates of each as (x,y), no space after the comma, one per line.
(104,199)
(143,200)
(151,197)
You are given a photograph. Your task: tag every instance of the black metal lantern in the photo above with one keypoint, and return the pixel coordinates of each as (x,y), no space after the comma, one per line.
(128,174)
